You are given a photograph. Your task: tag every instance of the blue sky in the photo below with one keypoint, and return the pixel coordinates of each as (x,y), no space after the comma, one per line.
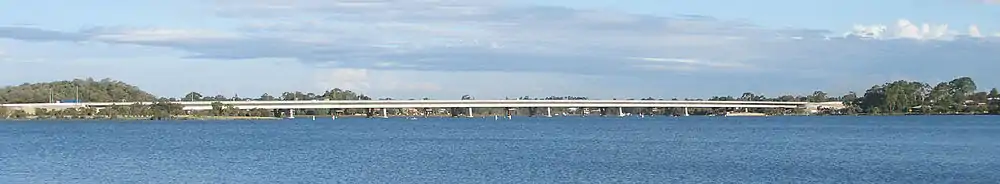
(491,49)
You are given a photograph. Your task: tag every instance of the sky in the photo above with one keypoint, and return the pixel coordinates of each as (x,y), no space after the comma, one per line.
(492,49)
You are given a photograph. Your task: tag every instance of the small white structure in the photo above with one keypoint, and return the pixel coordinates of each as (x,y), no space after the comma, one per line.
(816,107)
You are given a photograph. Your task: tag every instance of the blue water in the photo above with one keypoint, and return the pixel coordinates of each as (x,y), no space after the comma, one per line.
(911,149)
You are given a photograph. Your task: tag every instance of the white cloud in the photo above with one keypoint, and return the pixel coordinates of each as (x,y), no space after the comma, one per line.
(686,61)
(903,29)
(386,46)
(356,79)
(974,31)
(160,35)
(475,35)
(405,84)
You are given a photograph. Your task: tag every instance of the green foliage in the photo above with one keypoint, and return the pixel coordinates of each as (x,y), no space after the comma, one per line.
(993,102)
(193,96)
(266,97)
(955,96)
(4,112)
(156,110)
(105,90)
(817,96)
(18,114)
(165,109)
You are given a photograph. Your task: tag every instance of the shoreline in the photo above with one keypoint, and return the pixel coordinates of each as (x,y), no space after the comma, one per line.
(181,118)
(216,118)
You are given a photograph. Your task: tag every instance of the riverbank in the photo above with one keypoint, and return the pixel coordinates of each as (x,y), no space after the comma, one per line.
(216,118)
(183,117)
(225,118)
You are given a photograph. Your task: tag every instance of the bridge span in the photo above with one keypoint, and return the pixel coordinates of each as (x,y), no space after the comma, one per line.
(379,104)
(469,104)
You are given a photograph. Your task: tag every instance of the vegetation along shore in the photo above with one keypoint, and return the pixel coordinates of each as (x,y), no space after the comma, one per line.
(958,96)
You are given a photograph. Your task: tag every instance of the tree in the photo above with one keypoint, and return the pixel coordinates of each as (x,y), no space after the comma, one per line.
(873,98)
(941,98)
(817,96)
(850,101)
(363,97)
(218,109)
(748,96)
(900,96)
(961,89)
(71,112)
(722,98)
(994,101)
(193,96)
(963,86)
(165,109)
(787,98)
(18,114)
(980,97)
(266,97)
(111,112)
(4,112)
(230,110)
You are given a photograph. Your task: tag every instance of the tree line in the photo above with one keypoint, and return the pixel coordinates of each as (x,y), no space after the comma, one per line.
(958,96)
(155,110)
(104,90)
(334,94)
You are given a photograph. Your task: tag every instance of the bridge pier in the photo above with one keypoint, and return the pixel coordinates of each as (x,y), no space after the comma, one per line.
(291,113)
(686,112)
(621,113)
(510,114)
(337,112)
(549,111)
(470,112)
(385,113)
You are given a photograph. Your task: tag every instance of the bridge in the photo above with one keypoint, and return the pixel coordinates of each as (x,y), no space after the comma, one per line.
(469,104)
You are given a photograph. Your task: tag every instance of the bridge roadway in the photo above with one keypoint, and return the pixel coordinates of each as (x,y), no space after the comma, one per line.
(381,104)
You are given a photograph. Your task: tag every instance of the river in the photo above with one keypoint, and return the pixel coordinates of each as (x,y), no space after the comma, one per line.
(890,149)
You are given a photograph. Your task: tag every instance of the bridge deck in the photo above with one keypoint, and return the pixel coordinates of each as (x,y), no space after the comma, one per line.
(349,104)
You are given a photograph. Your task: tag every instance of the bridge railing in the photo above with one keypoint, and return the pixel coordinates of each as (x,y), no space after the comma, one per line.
(347,102)
(361,106)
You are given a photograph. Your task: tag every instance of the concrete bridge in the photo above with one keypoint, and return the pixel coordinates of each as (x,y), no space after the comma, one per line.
(391,104)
